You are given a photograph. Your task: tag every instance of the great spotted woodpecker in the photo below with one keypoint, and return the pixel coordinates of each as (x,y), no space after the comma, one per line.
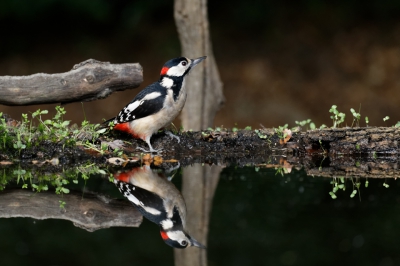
(157,105)
(159,201)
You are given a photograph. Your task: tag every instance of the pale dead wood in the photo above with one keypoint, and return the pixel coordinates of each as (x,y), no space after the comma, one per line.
(87,81)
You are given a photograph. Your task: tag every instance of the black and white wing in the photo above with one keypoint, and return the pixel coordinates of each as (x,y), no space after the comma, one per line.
(148,203)
(149,101)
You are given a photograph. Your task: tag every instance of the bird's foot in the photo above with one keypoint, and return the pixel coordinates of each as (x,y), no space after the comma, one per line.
(150,150)
(116,144)
(172,171)
(171,135)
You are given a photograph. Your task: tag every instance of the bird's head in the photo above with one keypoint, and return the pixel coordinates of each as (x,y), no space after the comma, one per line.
(179,67)
(179,239)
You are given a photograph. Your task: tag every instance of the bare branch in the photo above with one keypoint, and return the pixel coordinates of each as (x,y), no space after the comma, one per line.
(87,81)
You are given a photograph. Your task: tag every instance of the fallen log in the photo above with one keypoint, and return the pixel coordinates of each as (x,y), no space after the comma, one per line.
(359,140)
(87,81)
(370,151)
(368,141)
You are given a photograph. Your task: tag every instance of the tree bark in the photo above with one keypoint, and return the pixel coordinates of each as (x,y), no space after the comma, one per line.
(205,95)
(89,212)
(87,81)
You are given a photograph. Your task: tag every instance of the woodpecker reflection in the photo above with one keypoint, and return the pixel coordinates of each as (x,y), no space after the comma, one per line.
(158,200)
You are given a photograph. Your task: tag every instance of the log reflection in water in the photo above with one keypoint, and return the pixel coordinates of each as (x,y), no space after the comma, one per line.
(90,211)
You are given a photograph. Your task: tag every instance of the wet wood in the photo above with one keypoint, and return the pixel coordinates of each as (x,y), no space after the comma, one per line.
(87,81)
(87,211)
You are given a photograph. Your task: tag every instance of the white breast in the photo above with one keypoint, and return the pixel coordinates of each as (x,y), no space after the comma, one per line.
(147,126)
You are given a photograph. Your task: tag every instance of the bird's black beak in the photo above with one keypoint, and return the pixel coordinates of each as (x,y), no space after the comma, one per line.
(197,60)
(193,241)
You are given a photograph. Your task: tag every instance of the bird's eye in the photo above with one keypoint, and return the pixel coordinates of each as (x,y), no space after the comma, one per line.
(184,63)
(184,243)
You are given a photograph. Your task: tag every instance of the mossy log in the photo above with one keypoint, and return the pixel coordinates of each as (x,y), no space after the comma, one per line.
(373,151)
(348,141)
(369,141)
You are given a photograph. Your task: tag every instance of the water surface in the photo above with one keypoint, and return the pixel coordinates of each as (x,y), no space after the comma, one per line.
(258,217)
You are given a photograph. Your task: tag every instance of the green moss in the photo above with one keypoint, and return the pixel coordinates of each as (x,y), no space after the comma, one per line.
(18,136)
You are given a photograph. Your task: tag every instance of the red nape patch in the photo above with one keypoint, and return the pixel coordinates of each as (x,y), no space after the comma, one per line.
(164,71)
(164,235)
(124,177)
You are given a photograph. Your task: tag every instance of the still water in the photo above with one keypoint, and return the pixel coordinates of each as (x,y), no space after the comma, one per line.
(258,216)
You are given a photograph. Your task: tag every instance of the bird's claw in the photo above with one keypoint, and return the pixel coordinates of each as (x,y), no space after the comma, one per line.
(171,135)
(116,144)
(151,150)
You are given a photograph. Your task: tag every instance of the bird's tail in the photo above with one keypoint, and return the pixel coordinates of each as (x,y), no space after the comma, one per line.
(107,122)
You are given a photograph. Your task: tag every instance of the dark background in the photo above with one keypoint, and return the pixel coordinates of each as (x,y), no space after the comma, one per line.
(280,61)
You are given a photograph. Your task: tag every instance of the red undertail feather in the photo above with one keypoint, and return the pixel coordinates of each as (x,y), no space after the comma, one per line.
(125,176)
(124,127)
